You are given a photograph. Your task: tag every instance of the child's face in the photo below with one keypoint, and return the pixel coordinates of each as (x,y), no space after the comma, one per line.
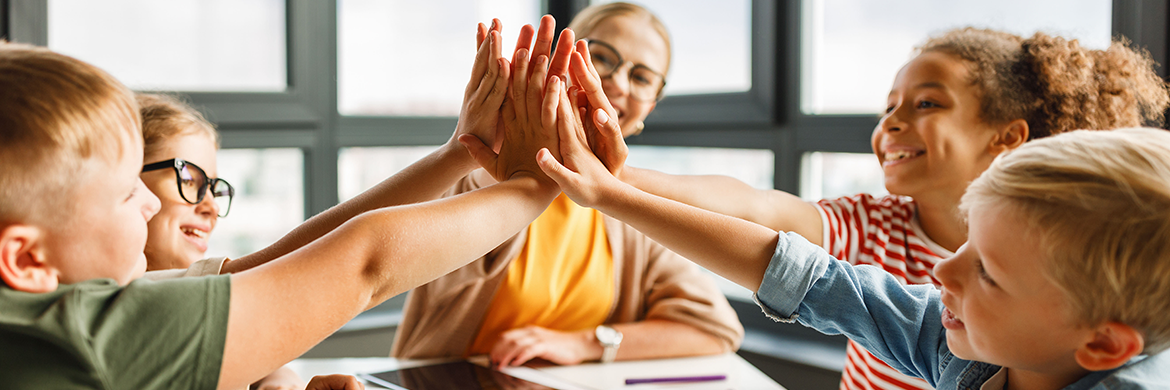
(104,238)
(179,232)
(931,140)
(1001,308)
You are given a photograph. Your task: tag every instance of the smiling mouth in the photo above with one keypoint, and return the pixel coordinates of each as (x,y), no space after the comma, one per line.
(951,321)
(202,235)
(900,155)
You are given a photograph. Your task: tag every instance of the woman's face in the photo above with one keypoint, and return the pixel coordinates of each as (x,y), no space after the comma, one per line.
(178,234)
(638,44)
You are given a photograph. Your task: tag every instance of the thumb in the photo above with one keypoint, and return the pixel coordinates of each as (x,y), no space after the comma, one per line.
(479,151)
(553,168)
(608,127)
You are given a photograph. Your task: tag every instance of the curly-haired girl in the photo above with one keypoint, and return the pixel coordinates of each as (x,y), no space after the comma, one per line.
(966,97)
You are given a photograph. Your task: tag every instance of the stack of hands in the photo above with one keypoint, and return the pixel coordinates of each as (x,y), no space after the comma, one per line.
(542,114)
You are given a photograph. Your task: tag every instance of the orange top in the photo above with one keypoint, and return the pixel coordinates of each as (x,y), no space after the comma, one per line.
(562,279)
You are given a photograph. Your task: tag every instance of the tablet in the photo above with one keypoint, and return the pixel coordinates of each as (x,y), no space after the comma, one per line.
(455,375)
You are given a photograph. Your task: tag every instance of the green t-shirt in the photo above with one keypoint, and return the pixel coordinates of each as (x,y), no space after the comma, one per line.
(97,335)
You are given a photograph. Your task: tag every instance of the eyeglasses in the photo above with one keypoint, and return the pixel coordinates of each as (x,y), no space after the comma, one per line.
(645,84)
(194,183)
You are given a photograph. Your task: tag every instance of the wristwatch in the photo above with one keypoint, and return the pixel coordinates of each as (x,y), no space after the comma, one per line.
(610,340)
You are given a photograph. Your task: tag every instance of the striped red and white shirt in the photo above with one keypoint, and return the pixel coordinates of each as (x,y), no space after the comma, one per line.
(884,232)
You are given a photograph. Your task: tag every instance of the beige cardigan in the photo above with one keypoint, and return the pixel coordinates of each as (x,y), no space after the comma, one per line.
(443,317)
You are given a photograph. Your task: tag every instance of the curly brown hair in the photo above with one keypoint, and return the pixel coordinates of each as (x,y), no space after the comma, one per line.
(1055,84)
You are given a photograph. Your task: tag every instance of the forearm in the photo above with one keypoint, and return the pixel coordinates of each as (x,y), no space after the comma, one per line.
(734,248)
(424,180)
(725,195)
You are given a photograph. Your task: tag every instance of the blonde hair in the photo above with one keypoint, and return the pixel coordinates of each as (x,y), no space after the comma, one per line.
(165,117)
(588,19)
(57,114)
(1100,201)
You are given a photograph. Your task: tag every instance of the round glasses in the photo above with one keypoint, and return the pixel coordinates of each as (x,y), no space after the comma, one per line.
(645,84)
(194,183)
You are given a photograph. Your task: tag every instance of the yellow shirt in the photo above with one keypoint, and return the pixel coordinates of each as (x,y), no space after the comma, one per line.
(562,279)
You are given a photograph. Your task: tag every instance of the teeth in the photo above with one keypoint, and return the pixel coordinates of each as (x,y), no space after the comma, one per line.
(901,154)
(195,232)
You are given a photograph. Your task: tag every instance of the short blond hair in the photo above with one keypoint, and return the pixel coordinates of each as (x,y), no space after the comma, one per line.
(1100,201)
(56,114)
(165,117)
(588,19)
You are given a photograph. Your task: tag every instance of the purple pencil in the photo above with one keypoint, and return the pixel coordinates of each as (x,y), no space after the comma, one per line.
(704,378)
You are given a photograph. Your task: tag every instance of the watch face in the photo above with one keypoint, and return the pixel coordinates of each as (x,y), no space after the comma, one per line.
(607,335)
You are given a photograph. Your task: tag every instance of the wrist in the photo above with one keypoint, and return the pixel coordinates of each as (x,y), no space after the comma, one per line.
(455,154)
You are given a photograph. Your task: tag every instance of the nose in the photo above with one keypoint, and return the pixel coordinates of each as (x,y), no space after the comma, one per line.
(208,206)
(618,82)
(150,205)
(892,121)
(949,272)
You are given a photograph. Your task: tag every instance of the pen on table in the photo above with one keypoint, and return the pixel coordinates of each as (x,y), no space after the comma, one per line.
(704,378)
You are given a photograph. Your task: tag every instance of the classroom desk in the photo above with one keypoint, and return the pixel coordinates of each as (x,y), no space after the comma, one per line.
(741,375)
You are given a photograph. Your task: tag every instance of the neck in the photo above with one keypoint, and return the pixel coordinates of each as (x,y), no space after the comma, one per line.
(1024,379)
(942,222)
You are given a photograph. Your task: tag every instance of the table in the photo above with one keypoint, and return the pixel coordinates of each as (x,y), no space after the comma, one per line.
(590,376)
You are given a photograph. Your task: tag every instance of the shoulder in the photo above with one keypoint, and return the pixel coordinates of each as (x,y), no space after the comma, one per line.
(867,201)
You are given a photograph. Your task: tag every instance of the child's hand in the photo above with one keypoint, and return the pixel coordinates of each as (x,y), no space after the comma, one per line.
(600,118)
(335,382)
(529,114)
(582,176)
(480,113)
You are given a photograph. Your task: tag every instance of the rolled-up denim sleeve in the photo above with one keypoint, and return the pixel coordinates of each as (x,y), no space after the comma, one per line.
(899,324)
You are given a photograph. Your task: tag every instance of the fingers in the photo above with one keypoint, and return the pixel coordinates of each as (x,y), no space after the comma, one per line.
(519,90)
(524,41)
(335,382)
(552,100)
(480,34)
(480,67)
(544,37)
(479,151)
(488,82)
(591,84)
(536,83)
(560,59)
(553,168)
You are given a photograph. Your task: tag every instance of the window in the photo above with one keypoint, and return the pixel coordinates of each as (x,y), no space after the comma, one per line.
(711,45)
(752,166)
(832,175)
(851,49)
(388,57)
(269,199)
(183,45)
(358,169)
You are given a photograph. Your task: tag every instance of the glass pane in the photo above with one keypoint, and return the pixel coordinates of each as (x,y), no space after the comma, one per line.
(179,45)
(358,169)
(413,58)
(832,175)
(752,166)
(269,202)
(852,49)
(712,59)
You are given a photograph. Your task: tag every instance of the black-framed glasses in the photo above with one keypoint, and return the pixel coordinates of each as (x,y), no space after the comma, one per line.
(645,83)
(194,183)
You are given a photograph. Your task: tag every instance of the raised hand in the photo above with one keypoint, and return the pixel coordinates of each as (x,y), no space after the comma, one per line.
(581,175)
(480,113)
(600,118)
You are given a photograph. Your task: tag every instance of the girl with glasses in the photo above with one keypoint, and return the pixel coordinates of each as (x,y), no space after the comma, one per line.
(180,169)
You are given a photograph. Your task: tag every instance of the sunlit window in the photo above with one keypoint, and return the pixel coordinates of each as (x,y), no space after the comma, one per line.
(184,45)
(832,175)
(413,58)
(752,166)
(711,44)
(269,199)
(852,49)
(358,169)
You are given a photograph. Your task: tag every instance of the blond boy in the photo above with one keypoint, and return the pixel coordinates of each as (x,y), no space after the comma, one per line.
(73,218)
(1064,282)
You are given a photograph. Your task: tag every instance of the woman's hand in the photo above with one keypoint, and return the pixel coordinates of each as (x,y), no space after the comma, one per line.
(282,379)
(517,346)
(600,118)
(335,382)
(480,113)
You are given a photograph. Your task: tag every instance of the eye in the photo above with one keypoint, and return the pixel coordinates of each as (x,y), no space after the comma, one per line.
(889,109)
(983,273)
(927,104)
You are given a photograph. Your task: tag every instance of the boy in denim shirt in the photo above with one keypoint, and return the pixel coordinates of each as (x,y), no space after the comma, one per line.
(1064,282)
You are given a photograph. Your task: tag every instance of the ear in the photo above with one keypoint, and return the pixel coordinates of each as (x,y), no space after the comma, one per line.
(1010,136)
(22,260)
(1112,345)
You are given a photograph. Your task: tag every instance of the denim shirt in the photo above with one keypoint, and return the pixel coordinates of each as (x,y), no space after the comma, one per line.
(902,325)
